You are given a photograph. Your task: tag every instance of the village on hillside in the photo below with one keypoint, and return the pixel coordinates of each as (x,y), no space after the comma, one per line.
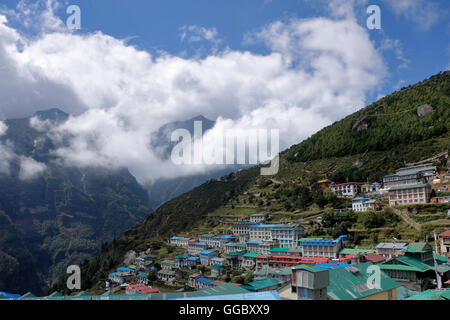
(258,259)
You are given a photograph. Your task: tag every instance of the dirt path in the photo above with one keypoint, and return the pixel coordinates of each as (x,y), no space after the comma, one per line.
(406,218)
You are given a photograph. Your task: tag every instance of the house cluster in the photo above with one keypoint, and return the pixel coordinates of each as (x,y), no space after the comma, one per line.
(134,278)
(408,185)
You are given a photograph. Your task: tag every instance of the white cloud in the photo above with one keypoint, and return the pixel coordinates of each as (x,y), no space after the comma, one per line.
(396,47)
(195,33)
(30,168)
(318,70)
(6,153)
(423,13)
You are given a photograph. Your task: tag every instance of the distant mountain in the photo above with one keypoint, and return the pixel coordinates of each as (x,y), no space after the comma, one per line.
(164,190)
(62,216)
(367,144)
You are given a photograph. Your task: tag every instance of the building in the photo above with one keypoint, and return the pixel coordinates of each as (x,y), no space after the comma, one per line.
(409,194)
(249,260)
(283,275)
(444,243)
(362,204)
(260,232)
(257,218)
(234,246)
(195,248)
(328,248)
(241,228)
(349,189)
(354,283)
(216,260)
(324,184)
(287,235)
(310,282)
(415,267)
(167,276)
(286,261)
(391,249)
(206,255)
(409,176)
(180,241)
(217,270)
(203,283)
(207,238)
(234,259)
(374,258)
(132,288)
(168,264)
(181,260)
(263,285)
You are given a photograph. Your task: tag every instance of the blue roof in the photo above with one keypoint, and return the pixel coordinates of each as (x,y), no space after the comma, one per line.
(205,281)
(201,244)
(360,198)
(207,251)
(123,269)
(263,226)
(8,295)
(176,238)
(253,242)
(228,237)
(256,296)
(193,258)
(112,274)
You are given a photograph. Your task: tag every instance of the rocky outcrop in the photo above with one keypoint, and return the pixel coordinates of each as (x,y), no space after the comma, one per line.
(363,123)
(424,110)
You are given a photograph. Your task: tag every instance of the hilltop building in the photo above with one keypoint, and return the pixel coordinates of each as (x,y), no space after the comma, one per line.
(409,194)
(328,248)
(444,242)
(391,249)
(348,189)
(361,204)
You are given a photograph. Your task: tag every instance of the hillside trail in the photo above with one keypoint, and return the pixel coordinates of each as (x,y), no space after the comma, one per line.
(404,215)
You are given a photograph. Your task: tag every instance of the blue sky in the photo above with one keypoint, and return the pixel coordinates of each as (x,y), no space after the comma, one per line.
(292,65)
(154,25)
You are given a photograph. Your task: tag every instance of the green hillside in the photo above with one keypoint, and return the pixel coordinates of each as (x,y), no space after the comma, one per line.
(363,146)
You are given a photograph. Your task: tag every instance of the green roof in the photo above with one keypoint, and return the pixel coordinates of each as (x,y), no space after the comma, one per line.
(217,266)
(143,275)
(261,284)
(356,251)
(399,267)
(236,253)
(348,285)
(279,250)
(28,295)
(274,271)
(251,255)
(417,247)
(168,262)
(414,186)
(418,265)
(55,294)
(167,272)
(432,295)
(309,268)
(182,256)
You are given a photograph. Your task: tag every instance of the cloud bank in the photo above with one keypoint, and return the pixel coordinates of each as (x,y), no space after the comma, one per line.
(317,71)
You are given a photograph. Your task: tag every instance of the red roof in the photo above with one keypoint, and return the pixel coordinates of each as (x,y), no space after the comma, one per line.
(445,234)
(142,288)
(346,183)
(375,258)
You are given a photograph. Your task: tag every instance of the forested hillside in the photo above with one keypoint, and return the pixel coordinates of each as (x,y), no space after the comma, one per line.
(363,146)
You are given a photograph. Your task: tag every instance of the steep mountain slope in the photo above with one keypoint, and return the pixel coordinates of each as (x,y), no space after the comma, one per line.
(63,215)
(364,145)
(164,190)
